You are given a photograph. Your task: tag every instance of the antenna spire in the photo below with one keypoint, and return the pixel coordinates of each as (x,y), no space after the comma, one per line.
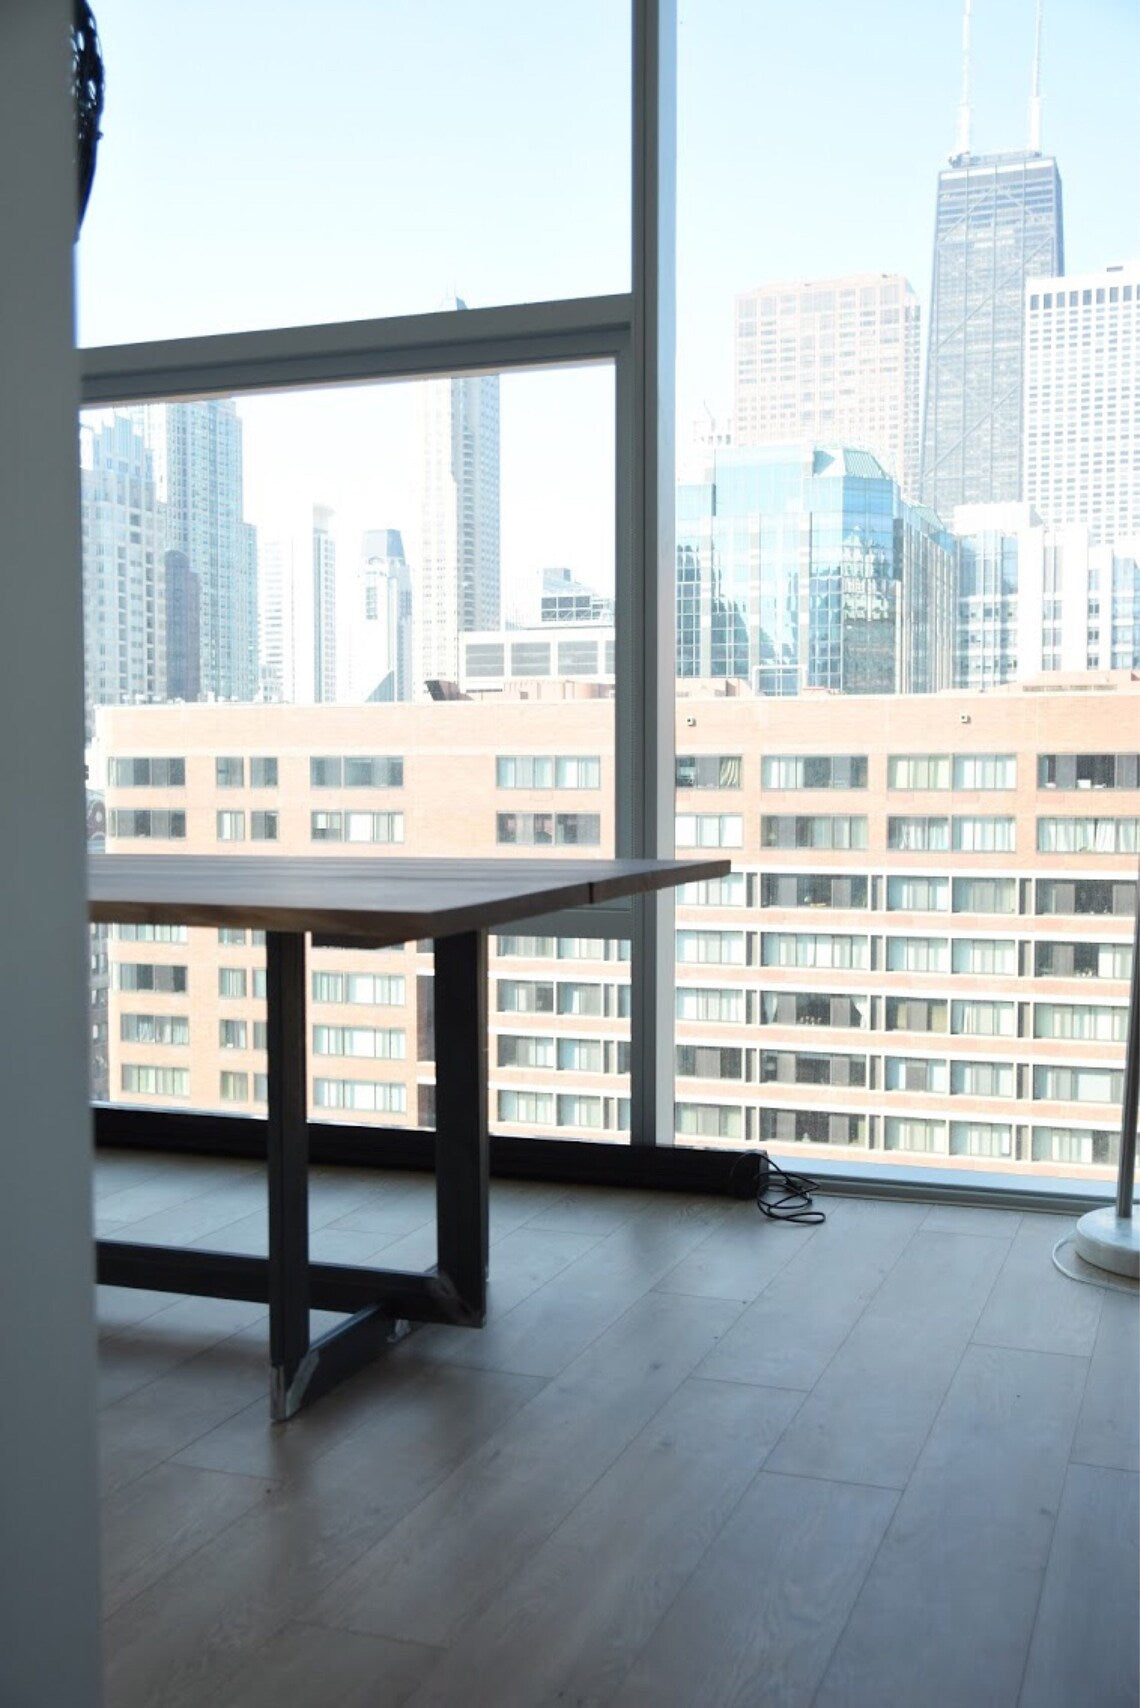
(962,144)
(1035,87)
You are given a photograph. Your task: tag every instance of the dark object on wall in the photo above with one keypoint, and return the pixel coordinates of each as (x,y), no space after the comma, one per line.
(87,84)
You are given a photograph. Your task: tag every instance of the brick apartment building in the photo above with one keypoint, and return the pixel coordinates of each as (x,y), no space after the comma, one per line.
(922,952)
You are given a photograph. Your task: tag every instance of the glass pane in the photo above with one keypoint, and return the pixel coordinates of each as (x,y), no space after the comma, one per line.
(283,166)
(906,552)
(289,600)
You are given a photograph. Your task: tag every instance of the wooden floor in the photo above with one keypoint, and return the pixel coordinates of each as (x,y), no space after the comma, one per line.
(695,1459)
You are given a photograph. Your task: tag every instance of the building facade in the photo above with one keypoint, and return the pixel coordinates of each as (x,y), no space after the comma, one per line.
(831,359)
(382,619)
(998,222)
(922,952)
(457,580)
(324,606)
(124,577)
(1036,598)
(1082,401)
(198,464)
(802,567)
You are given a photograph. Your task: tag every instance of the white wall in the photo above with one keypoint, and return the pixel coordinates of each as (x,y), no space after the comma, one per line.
(48,1572)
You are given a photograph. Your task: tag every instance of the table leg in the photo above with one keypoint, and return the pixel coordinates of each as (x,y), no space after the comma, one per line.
(288,1168)
(462,1152)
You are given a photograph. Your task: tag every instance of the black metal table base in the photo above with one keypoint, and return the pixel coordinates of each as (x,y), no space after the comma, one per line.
(380,1303)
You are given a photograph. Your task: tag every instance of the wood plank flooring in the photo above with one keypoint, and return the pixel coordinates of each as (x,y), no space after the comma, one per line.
(694,1459)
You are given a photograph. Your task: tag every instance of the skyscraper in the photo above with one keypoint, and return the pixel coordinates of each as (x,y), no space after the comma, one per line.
(1082,401)
(124,584)
(324,606)
(276,616)
(382,619)
(1037,597)
(457,586)
(198,462)
(831,359)
(803,567)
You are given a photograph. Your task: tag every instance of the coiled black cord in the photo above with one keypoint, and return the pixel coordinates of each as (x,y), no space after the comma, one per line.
(756,1175)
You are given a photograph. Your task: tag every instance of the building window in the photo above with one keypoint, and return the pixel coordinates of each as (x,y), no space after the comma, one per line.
(914,1073)
(784,831)
(233,1087)
(1088,771)
(229,773)
(356,771)
(263,826)
(231,981)
(916,1014)
(524,996)
(983,1019)
(985,771)
(526,948)
(151,933)
(578,1111)
(1086,896)
(171,1029)
(709,830)
(535,1108)
(708,771)
(379,990)
(263,773)
(711,948)
(545,830)
(709,1061)
(158,825)
(811,1127)
(705,1002)
(812,949)
(525,1050)
(1077,1085)
(981,1079)
(985,895)
(787,1067)
(385,1043)
(1095,1146)
(918,771)
(231,827)
(984,835)
(156,1081)
(232,1034)
(144,975)
(370,1096)
(372,827)
(232,934)
(1086,1021)
(918,835)
(906,1133)
(709,1121)
(918,895)
(1082,960)
(804,889)
(146,773)
(807,771)
(918,955)
(1088,835)
(997,955)
(980,1138)
(812,1008)
(575,998)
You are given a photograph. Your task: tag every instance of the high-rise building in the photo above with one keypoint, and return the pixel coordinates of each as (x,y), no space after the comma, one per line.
(457,585)
(324,606)
(565,599)
(1036,598)
(124,585)
(1082,401)
(803,567)
(831,359)
(382,619)
(198,464)
(183,636)
(276,616)
(997,224)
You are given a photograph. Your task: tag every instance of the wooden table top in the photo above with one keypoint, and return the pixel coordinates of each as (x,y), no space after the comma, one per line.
(377,897)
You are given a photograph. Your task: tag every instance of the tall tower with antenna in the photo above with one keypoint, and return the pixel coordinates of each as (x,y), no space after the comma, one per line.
(997,223)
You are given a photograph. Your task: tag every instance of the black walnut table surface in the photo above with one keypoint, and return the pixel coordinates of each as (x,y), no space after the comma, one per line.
(376,901)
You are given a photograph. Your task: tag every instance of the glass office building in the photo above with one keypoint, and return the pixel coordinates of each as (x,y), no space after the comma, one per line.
(802,567)
(997,223)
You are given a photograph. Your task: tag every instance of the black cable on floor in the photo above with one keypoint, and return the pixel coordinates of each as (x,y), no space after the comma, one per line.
(756,1175)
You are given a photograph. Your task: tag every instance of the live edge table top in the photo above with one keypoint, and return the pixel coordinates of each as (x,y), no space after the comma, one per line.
(381,898)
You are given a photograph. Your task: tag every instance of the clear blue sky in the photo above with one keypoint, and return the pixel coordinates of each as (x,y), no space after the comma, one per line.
(288,162)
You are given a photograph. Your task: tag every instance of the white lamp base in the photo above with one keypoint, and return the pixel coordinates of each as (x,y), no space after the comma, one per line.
(1109,1241)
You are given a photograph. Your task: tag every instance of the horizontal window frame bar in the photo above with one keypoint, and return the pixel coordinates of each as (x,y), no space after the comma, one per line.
(404,347)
